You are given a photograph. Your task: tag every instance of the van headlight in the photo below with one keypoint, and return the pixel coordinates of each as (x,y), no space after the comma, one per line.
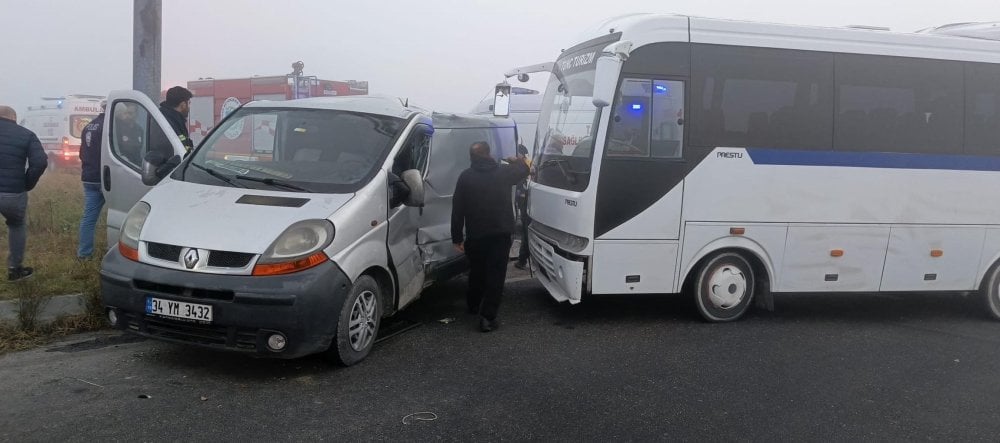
(128,241)
(300,247)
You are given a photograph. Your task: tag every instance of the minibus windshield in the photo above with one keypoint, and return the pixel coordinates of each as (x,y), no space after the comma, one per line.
(293,149)
(567,124)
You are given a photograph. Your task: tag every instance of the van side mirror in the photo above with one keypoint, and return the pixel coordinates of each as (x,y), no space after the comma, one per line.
(501,100)
(156,165)
(415,181)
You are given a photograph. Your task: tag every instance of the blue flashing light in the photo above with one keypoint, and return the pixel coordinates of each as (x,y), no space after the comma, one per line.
(59,104)
(636,107)
(660,89)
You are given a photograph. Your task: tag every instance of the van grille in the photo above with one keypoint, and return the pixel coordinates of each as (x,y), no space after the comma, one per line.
(216,259)
(226,259)
(163,251)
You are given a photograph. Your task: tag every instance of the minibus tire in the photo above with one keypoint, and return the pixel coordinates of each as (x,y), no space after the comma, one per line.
(726,268)
(342,350)
(990,291)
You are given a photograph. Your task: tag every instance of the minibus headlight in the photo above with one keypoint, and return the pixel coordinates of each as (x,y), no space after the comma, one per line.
(301,239)
(128,241)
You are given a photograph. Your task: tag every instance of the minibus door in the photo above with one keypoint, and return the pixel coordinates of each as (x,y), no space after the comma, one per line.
(133,127)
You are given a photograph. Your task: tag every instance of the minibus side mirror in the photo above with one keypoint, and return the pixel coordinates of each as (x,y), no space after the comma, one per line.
(606,70)
(415,181)
(501,100)
(156,165)
(606,80)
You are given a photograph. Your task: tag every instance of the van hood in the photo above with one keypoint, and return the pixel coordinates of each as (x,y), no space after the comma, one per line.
(229,219)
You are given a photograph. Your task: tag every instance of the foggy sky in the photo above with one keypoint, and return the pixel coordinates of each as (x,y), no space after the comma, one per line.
(444,55)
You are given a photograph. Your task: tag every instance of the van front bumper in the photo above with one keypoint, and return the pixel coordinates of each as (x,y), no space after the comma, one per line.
(304,307)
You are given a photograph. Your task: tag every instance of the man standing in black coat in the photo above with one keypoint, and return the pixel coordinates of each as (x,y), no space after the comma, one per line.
(176,108)
(90,174)
(19,147)
(481,226)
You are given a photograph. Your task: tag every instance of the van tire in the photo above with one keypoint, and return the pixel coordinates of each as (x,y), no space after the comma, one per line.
(363,306)
(990,291)
(724,287)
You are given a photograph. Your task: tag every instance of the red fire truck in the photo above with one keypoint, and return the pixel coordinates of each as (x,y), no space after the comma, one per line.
(215,98)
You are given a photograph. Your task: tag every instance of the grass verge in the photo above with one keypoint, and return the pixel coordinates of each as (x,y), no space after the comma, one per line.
(54,210)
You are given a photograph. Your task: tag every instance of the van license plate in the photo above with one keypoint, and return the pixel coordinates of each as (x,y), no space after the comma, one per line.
(179,309)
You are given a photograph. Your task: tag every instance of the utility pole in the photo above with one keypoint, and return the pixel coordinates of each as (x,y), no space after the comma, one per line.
(146,24)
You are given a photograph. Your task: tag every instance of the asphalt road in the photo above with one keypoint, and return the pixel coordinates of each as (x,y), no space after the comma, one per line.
(831,367)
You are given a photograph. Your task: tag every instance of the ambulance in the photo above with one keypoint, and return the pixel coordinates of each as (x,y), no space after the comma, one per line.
(58,122)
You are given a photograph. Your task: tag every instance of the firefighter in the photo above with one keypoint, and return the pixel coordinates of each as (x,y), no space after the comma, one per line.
(176,108)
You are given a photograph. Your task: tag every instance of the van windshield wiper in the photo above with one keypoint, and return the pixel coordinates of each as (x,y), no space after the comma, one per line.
(217,175)
(273,182)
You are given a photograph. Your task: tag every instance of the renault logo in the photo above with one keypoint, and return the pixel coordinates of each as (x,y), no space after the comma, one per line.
(191,258)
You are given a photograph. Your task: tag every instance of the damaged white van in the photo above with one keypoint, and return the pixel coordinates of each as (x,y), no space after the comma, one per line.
(293,228)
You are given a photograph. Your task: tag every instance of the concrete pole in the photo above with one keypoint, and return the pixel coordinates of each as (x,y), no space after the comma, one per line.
(146,23)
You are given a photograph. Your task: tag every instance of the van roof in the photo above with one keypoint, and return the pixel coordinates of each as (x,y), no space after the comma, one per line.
(443,120)
(369,104)
(518,103)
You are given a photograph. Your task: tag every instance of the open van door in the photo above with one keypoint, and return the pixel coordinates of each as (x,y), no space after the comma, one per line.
(405,216)
(133,127)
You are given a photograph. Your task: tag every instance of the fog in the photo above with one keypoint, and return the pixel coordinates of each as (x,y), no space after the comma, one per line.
(441,54)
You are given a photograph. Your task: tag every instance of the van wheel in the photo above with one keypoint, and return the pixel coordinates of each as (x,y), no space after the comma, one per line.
(359,322)
(724,288)
(990,291)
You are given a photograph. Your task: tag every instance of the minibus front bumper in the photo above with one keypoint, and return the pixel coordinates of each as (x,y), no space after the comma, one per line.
(247,311)
(562,276)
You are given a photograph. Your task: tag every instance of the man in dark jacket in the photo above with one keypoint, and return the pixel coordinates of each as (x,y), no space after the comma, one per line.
(19,147)
(176,108)
(481,226)
(521,202)
(93,199)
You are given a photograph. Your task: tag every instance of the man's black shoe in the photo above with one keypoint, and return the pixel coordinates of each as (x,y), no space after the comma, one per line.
(487,325)
(521,265)
(19,273)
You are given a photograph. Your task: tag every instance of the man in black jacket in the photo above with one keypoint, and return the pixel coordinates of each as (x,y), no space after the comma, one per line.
(18,147)
(93,198)
(176,108)
(481,208)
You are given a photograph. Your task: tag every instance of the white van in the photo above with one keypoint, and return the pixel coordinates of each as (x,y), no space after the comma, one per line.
(58,122)
(341,216)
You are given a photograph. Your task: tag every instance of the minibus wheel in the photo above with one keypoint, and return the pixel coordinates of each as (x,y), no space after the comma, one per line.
(990,291)
(360,318)
(724,287)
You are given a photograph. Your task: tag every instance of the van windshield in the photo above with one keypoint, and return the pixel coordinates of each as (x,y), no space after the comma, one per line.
(290,149)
